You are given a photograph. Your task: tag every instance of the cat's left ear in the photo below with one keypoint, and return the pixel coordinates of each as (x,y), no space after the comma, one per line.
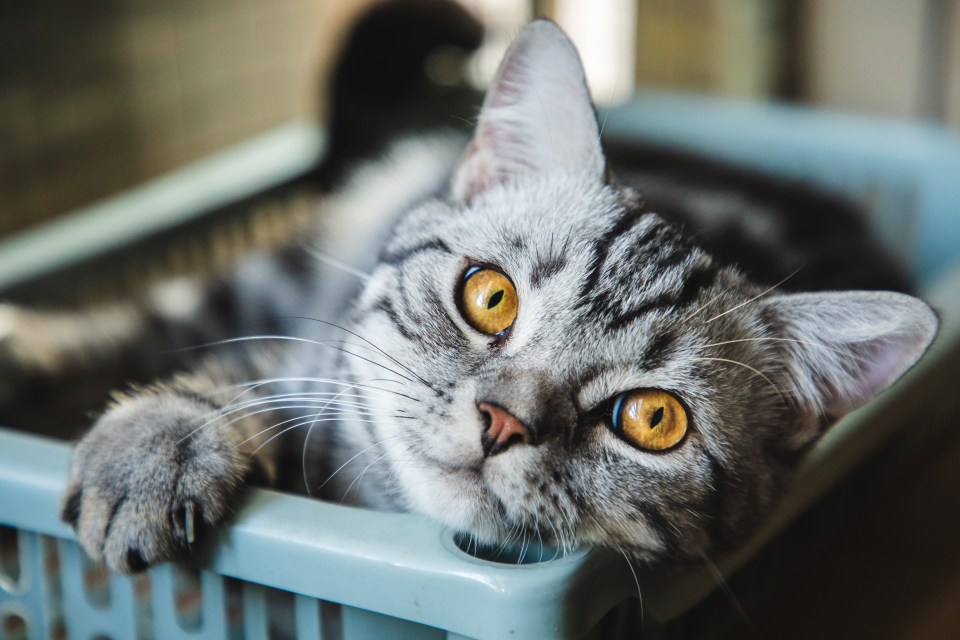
(845,347)
(537,117)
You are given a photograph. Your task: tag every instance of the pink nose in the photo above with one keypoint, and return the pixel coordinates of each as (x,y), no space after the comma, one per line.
(502,431)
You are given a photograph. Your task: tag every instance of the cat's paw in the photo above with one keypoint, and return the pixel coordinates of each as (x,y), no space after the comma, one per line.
(147,478)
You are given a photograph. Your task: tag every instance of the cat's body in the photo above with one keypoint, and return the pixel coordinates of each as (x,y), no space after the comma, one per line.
(514,415)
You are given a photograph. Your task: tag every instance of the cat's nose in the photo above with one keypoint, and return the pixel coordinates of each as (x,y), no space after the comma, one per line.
(503,430)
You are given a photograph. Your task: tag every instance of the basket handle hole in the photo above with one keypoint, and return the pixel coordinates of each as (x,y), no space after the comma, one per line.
(531,552)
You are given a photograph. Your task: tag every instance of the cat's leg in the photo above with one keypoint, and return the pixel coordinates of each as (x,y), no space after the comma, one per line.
(57,366)
(166,462)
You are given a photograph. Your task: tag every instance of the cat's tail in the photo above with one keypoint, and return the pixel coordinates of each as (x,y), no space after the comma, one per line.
(381,88)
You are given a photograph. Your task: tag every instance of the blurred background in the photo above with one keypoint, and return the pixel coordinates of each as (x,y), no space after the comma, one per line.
(98,96)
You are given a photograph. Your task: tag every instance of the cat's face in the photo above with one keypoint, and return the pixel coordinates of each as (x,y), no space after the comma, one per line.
(570,367)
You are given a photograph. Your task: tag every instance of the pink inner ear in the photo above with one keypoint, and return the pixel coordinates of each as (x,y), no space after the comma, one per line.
(883,363)
(473,174)
(850,346)
(483,163)
(537,117)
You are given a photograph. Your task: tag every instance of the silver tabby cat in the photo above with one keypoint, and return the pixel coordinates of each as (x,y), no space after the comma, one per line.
(534,353)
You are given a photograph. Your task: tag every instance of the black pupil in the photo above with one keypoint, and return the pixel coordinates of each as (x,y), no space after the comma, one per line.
(495,299)
(656,418)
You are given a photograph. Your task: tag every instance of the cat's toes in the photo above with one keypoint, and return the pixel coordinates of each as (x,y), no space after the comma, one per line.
(144,483)
(129,537)
(70,505)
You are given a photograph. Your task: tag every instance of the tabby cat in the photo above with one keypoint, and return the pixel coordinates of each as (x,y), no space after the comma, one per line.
(524,340)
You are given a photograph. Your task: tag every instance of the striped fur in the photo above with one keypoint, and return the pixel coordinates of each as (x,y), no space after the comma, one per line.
(616,291)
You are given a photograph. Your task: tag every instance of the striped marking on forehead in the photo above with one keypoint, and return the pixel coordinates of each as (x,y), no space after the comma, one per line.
(397,256)
(643,265)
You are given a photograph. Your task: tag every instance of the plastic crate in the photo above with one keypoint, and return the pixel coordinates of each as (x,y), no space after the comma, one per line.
(294,567)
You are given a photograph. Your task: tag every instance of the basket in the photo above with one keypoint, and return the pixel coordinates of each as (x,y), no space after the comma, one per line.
(295,567)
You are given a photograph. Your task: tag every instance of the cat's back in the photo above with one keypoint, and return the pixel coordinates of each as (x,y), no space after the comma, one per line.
(773,229)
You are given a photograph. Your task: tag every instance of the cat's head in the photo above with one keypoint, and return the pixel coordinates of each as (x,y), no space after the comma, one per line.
(573,368)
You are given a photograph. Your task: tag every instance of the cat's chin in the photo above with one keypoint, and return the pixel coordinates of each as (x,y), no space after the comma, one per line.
(466,505)
(468,497)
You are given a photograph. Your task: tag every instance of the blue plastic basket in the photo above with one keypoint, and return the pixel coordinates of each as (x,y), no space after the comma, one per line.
(294,567)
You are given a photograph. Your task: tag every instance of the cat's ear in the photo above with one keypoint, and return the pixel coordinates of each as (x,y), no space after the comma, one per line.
(845,347)
(537,116)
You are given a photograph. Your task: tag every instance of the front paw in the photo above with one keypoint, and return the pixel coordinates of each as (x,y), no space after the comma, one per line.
(146,475)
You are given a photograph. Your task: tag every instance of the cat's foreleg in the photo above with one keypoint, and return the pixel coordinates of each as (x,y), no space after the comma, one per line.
(166,462)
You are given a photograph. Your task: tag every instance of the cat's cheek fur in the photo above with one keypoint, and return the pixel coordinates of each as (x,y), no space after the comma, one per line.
(454,437)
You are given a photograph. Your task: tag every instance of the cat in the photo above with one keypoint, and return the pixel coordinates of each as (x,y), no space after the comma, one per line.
(530,340)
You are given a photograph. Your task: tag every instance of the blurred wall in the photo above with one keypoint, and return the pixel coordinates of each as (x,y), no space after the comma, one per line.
(950,12)
(895,58)
(98,96)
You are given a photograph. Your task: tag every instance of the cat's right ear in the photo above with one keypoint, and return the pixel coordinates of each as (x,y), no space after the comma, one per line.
(537,117)
(845,347)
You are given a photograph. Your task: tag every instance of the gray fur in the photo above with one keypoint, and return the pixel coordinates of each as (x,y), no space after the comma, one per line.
(613,297)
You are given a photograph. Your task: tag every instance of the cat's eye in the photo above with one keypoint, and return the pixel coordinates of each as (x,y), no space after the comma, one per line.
(488,300)
(650,419)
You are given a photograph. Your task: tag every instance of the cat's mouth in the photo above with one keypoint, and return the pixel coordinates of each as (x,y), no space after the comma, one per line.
(468,468)
(477,465)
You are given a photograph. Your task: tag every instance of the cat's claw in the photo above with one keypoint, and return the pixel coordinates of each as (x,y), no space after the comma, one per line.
(188,523)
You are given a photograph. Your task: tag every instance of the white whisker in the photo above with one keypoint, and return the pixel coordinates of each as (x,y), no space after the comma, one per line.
(842,352)
(303,459)
(756,297)
(336,264)
(636,581)
(746,366)
(360,475)
(352,458)
(295,426)
(728,592)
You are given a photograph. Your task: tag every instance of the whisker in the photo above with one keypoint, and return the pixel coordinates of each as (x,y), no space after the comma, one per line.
(339,415)
(270,428)
(317,343)
(290,428)
(756,297)
(728,592)
(303,458)
(329,401)
(746,366)
(636,581)
(360,476)
(524,546)
(317,396)
(254,384)
(330,261)
(705,304)
(354,457)
(277,407)
(776,339)
(373,345)
(358,417)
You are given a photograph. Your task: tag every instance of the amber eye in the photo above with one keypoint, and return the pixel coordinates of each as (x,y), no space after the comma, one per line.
(488,300)
(649,419)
